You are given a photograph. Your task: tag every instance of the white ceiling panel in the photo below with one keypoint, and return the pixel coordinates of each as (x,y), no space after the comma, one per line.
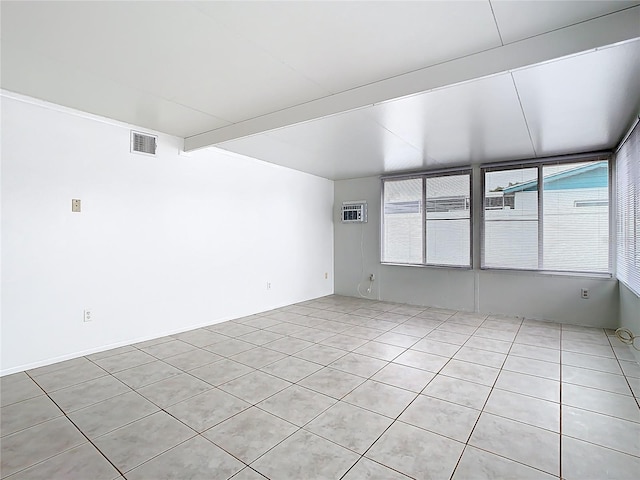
(467,123)
(525,18)
(167,49)
(581,103)
(342,45)
(341,146)
(22,72)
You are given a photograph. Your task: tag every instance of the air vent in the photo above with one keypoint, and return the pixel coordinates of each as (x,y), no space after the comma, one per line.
(143,143)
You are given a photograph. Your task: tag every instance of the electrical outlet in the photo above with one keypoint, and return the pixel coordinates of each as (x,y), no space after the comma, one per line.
(268,285)
(75,205)
(87,315)
(326,275)
(372,277)
(584,293)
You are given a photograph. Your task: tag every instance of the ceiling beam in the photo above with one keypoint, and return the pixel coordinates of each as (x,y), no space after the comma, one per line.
(602,31)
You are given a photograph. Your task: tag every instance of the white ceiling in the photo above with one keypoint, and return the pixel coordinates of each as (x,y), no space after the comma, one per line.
(335,88)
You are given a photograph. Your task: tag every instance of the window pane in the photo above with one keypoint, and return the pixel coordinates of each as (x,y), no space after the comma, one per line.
(576,217)
(402,216)
(511,219)
(448,220)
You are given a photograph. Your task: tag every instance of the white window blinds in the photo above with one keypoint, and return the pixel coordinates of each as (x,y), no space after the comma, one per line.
(628,211)
(427,220)
(547,216)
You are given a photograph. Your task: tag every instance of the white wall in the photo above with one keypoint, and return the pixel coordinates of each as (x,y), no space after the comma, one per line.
(535,295)
(163,244)
(630,314)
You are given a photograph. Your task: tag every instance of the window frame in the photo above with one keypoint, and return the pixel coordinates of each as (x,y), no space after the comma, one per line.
(539,164)
(424,175)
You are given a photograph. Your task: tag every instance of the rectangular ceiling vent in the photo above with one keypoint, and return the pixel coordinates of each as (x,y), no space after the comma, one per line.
(143,143)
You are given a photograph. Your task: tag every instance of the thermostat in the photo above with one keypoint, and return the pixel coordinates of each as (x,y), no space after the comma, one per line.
(354,212)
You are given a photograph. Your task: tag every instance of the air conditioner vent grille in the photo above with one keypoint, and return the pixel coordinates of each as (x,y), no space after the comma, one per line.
(143,143)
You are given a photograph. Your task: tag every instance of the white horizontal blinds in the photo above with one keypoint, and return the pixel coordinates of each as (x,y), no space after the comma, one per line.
(575,217)
(448,213)
(403,228)
(511,218)
(628,211)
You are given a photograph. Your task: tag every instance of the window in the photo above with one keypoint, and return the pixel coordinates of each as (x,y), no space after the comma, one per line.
(426,219)
(628,211)
(547,216)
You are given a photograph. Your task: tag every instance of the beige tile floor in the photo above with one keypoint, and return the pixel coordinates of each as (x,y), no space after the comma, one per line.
(334,388)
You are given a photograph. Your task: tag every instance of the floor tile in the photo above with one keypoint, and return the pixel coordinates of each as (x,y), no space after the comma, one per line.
(489,344)
(582,460)
(88,393)
(397,339)
(305,455)
(221,372)
(249,474)
(380,398)
(266,431)
(70,376)
(529,385)
(123,361)
(311,334)
(231,329)
(481,357)
(358,364)
(334,383)
(458,391)
(492,333)
(441,417)
(344,342)
(402,447)
(146,374)
(630,369)
(229,348)
(460,328)
(471,372)
(370,470)
(55,367)
(255,386)
(28,447)
(525,409)
(413,330)
(195,458)
(588,348)
(402,376)
(349,426)
(321,354)
(25,414)
(480,465)
(532,446)
(110,352)
(436,348)
(140,441)
(193,359)
(111,414)
(207,409)
(422,360)
(448,337)
(600,401)
(592,362)
(200,337)
(260,337)
(153,341)
(603,430)
(19,390)
(288,345)
(537,353)
(292,369)
(79,463)
(590,378)
(380,350)
(365,333)
(537,340)
(530,366)
(168,349)
(258,357)
(173,390)
(297,405)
